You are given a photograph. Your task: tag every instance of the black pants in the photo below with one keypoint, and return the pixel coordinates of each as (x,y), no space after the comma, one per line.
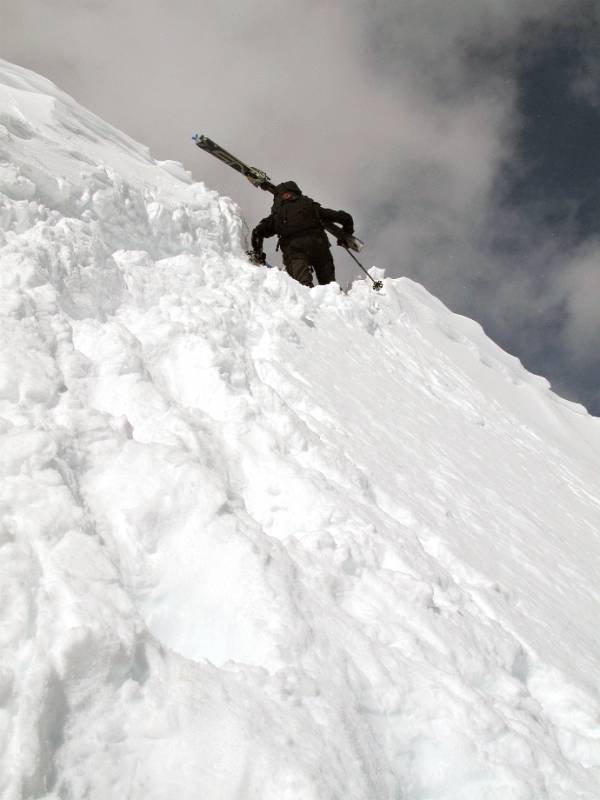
(303,252)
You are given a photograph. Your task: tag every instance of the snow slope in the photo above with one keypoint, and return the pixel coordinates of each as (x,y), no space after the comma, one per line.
(260,541)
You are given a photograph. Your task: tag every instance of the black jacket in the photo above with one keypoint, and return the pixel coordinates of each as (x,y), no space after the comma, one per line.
(289,190)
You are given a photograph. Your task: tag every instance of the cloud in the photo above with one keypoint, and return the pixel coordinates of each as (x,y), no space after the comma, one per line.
(578,287)
(586,81)
(402,111)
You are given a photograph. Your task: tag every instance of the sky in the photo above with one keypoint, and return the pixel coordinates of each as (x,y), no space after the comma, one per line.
(463,135)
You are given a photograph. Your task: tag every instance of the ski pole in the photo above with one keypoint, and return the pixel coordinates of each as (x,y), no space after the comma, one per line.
(377,285)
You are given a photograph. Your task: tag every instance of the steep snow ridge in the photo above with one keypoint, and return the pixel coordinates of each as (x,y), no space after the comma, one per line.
(69,180)
(264,541)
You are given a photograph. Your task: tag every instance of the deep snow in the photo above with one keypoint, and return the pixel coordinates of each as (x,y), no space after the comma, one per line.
(260,541)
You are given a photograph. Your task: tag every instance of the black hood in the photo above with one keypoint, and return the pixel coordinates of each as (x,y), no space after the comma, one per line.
(288,186)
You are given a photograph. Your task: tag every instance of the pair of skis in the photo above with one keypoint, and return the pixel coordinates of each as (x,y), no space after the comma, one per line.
(260,179)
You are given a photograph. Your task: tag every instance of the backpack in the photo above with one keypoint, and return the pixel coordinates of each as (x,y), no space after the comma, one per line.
(295,215)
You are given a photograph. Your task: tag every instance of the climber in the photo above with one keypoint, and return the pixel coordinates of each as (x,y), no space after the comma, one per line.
(298,222)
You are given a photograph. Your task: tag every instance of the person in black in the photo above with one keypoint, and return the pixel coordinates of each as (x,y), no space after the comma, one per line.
(298,222)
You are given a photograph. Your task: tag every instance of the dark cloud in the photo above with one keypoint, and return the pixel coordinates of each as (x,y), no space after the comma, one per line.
(406,112)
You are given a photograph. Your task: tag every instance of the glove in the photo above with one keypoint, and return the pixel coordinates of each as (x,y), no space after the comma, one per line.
(343,241)
(260,257)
